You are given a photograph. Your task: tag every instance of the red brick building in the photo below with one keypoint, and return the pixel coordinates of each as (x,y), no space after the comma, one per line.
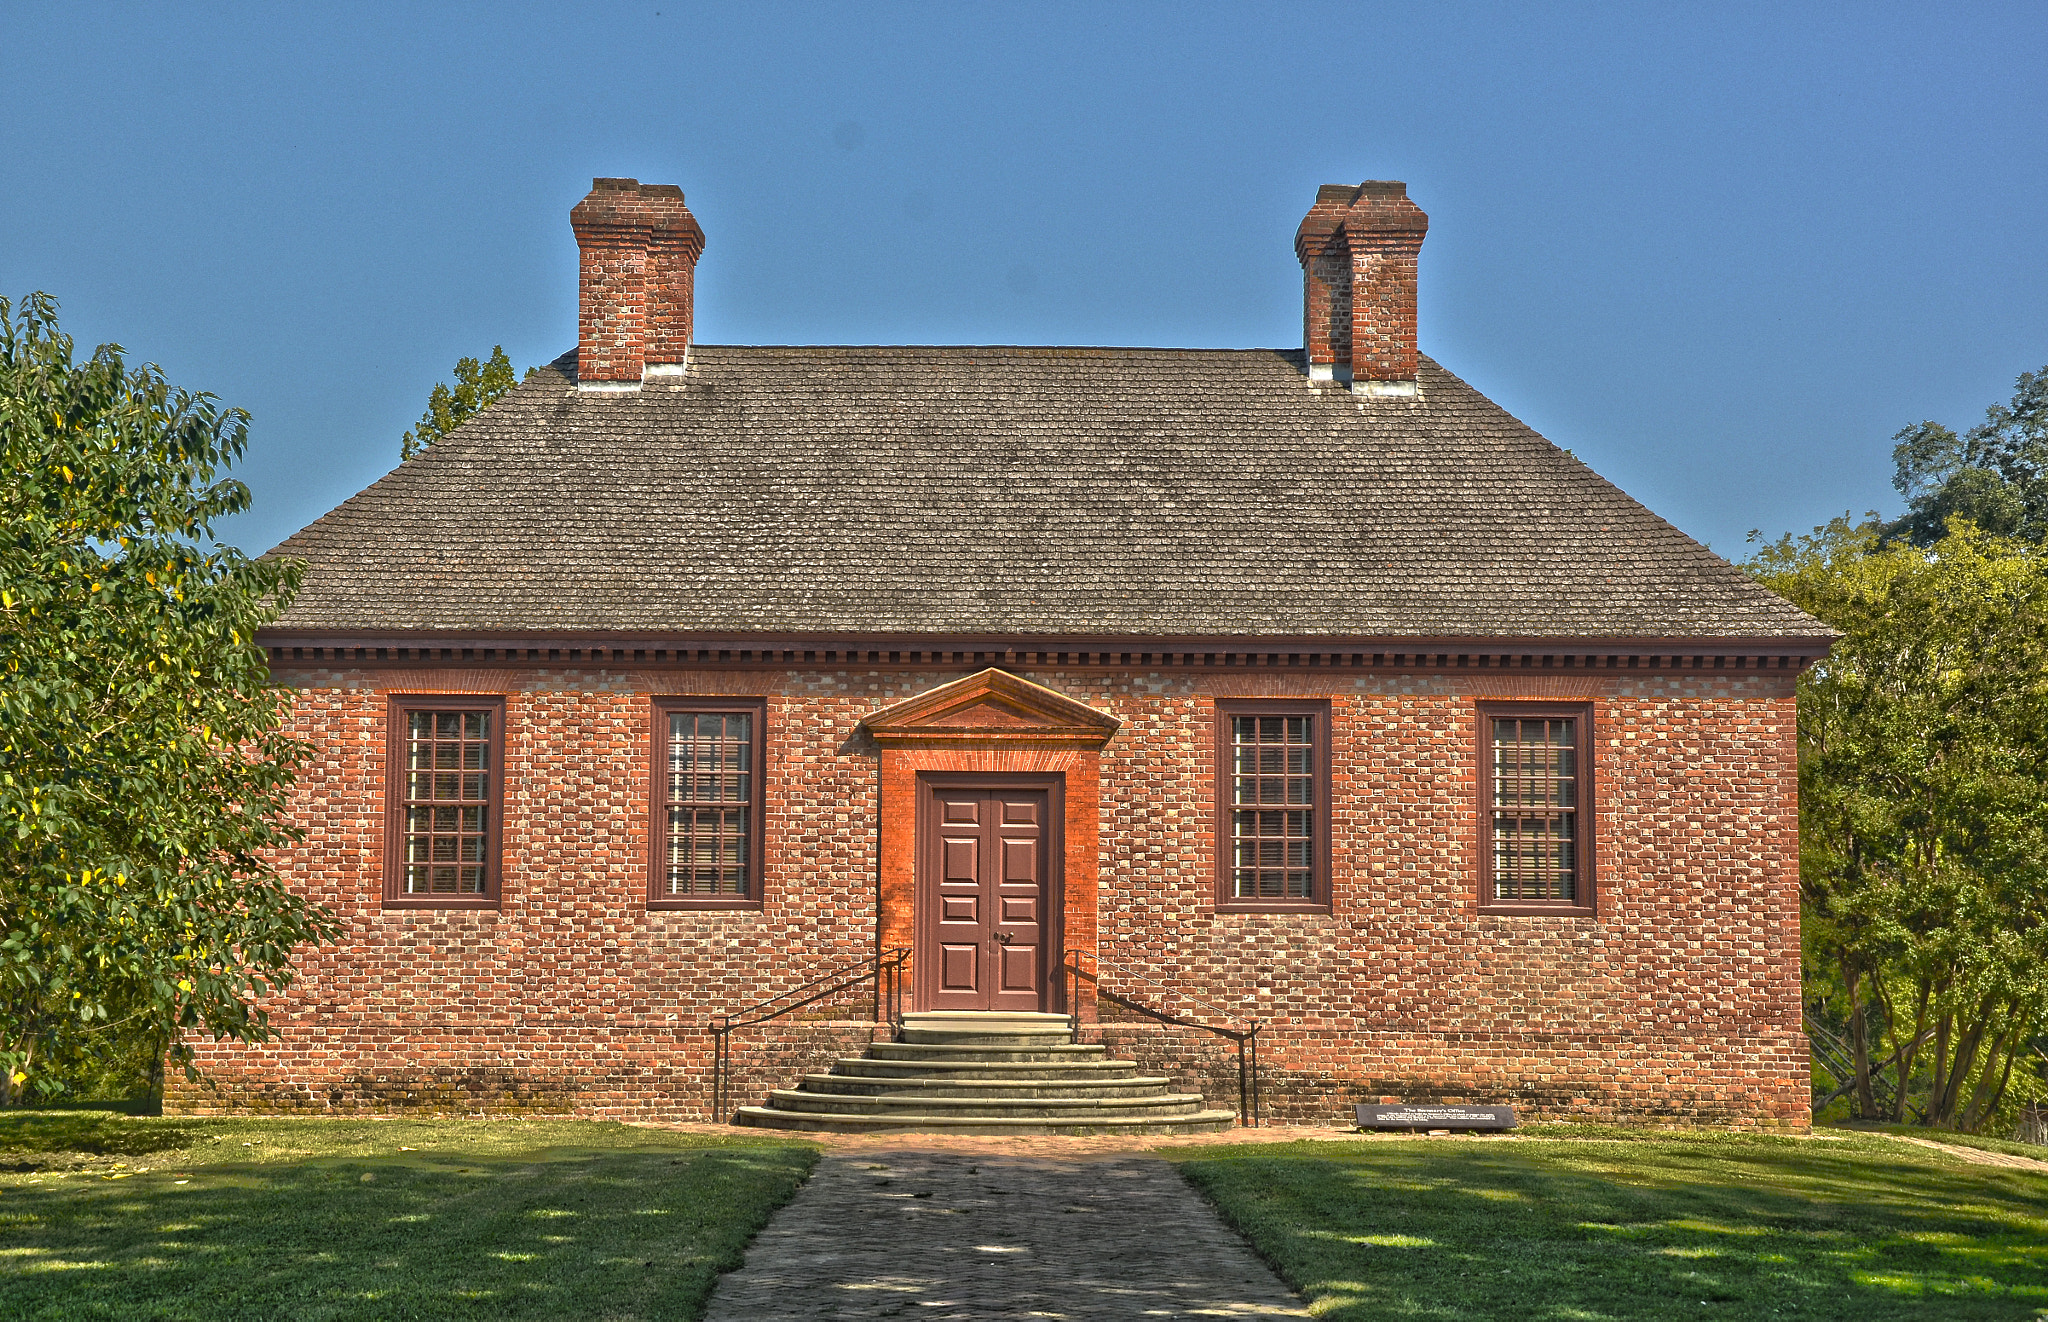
(1298,686)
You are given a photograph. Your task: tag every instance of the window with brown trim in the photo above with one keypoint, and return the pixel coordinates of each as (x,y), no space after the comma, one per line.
(1535,809)
(707,803)
(1272,795)
(445,797)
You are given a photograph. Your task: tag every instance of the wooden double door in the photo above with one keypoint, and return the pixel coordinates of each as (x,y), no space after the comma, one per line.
(987,907)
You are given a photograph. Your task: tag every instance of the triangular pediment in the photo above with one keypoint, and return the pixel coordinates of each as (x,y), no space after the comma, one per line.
(994,705)
(989,714)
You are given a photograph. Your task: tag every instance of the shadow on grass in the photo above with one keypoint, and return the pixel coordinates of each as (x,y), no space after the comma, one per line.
(558,1233)
(95,1131)
(1649,1229)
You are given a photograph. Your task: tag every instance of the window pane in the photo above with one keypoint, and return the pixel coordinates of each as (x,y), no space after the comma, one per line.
(707,853)
(445,811)
(1535,823)
(711,795)
(1274,822)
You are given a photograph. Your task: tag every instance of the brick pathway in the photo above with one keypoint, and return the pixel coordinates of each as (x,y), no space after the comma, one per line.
(914,1229)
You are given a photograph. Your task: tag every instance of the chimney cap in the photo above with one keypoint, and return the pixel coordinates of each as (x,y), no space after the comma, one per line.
(628,211)
(635,186)
(1344,195)
(1377,206)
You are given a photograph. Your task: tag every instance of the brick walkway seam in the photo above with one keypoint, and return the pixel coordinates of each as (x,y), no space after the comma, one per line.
(939,1233)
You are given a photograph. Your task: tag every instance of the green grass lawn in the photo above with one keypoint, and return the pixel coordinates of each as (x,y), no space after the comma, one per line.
(1646,1226)
(110,1216)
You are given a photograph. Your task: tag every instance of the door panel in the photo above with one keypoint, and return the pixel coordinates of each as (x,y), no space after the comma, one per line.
(1020,860)
(957,896)
(960,968)
(983,899)
(1019,972)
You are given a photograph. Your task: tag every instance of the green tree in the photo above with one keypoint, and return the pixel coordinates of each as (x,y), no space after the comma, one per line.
(144,766)
(477,387)
(1995,475)
(1923,776)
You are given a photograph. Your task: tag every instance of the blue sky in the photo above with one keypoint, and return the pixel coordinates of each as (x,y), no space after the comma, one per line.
(1722,252)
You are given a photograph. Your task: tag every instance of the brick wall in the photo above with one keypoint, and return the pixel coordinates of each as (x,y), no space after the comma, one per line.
(1677,1001)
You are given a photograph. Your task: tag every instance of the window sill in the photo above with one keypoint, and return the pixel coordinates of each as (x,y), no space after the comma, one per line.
(437,902)
(1534,910)
(658,906)
(1273,906)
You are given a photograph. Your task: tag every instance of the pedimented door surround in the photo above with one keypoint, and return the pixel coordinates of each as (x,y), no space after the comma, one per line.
(987,890)
(997,725)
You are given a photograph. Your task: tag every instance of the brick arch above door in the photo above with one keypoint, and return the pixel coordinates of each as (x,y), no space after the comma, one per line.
(991,722)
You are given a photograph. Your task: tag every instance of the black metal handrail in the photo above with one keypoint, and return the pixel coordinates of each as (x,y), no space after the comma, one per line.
(884,967)
(1247,1038)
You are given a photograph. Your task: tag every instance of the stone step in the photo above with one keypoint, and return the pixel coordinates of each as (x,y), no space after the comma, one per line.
(942,1018)
(940,1051)
(1033,1071)
(992,1028)
(987,1037)
(998,1089)
(992,1108)
(768,1117)
(970,1072)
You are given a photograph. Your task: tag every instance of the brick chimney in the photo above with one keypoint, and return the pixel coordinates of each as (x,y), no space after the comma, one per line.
(639,247)
(1358,249)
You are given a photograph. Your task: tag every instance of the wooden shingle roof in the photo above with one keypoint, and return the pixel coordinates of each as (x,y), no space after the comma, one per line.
(1011,491)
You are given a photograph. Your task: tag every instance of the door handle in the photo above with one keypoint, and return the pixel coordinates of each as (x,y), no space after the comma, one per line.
(1003,937)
